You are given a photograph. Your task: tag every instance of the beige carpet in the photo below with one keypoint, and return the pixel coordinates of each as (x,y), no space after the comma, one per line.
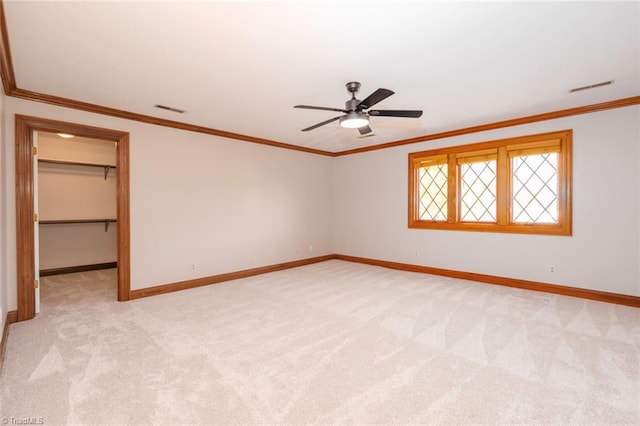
(330,343)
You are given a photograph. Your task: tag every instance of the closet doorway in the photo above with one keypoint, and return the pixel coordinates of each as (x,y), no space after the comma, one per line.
(28,218)
(75,185)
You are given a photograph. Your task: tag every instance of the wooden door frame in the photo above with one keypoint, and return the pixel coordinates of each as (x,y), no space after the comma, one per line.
(25,128)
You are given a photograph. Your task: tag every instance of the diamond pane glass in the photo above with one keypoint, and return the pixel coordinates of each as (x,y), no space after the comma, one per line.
(535,188)
(432,193)
(478,192)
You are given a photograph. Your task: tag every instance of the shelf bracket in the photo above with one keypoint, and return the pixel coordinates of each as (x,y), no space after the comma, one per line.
(106,225)
(106,172)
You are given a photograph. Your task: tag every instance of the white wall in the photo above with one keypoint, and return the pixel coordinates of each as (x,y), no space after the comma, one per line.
(77,244)
(220,204)
(227,205)
(84,150)
(75,192)
(370,211)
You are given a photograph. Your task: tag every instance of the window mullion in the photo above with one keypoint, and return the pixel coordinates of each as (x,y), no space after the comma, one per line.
(565,184)
(452,199)
(503,187)
(413,192)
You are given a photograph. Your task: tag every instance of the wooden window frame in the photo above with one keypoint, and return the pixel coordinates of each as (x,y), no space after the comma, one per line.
(560,141)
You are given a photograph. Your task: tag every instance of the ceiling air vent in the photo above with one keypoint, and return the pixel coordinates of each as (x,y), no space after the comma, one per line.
(591,86)
(179,111)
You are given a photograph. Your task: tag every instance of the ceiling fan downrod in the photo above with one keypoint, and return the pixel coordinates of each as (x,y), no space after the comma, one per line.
(351,104)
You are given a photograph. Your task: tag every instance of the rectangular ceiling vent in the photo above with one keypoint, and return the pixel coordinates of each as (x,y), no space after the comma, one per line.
(592,86)
(179,111)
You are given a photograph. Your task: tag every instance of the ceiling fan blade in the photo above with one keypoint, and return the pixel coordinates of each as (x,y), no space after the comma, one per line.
(374,98)
(320,108)
(315,126)
(395,113)
(364,130)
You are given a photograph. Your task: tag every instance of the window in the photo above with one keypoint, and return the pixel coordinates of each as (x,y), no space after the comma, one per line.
(520,185)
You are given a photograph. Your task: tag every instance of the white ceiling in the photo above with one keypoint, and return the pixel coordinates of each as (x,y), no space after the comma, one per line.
(241,66)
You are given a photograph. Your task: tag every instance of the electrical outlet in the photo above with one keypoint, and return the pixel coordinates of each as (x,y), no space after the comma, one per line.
(193,266)
(552,269)
(310,249)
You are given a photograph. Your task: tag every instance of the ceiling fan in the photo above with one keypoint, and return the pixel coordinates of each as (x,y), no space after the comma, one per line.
(356,114)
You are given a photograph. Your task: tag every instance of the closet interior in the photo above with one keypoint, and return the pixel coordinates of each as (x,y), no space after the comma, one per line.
(76,204)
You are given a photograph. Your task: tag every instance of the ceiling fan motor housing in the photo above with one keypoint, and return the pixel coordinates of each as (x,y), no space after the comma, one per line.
(351,104)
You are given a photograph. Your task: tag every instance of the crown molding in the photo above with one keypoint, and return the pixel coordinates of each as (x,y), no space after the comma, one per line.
(11,89)
(6,64)
(113,112)
(619,103)
(98,109)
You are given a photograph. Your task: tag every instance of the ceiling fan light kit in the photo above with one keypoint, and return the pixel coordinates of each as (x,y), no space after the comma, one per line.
(355,115)
(354,120)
